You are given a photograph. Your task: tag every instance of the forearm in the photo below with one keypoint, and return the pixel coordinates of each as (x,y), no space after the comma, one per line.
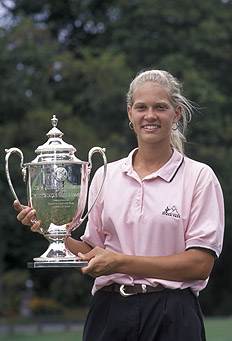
(191,265)
(194,264)
(76,246)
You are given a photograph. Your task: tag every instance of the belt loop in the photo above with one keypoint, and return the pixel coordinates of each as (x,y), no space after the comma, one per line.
(144,288)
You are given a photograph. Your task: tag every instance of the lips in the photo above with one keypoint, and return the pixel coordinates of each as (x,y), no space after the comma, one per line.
(150,127)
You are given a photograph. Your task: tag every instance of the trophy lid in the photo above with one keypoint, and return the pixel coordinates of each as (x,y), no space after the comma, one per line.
(55,142)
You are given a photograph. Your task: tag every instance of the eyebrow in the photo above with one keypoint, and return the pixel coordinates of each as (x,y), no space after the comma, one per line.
(156,103)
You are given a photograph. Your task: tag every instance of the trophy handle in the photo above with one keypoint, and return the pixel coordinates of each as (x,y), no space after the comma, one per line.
(8,154)
(91,152)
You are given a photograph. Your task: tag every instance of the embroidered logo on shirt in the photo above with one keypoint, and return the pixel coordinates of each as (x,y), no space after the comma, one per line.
(171,212)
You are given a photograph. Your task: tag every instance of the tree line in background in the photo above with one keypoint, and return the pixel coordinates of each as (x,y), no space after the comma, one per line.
(76,59)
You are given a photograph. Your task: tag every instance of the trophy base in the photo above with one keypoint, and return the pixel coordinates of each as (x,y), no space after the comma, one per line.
(57,256)
(57,264)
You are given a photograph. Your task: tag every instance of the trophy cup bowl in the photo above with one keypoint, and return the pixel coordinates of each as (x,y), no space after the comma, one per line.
(57,188)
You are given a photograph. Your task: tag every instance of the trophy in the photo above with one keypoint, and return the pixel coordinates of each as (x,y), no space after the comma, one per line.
(57,188)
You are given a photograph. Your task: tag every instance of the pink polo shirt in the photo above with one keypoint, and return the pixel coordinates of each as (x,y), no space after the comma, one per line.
(178,207)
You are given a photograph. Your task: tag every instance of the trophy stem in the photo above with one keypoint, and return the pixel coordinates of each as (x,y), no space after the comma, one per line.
(57,252)
(57,255)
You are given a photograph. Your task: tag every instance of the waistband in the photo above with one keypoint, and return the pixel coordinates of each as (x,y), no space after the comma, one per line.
(128,290)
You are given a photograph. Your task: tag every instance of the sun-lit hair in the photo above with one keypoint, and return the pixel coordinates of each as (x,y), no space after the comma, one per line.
(173,88)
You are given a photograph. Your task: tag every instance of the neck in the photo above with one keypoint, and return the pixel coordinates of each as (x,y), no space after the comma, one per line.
(150,159)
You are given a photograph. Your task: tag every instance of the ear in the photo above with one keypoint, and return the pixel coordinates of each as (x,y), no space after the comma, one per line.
(129,112)
(178,114)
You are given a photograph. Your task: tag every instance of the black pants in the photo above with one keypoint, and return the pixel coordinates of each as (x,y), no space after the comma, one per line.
(170,315)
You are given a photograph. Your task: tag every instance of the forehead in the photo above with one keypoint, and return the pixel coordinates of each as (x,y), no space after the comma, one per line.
(149,91)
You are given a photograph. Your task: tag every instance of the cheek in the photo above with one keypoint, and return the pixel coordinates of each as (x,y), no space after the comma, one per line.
(170,118)
(133,117)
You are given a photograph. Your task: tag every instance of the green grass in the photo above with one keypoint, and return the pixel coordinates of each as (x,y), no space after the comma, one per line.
(48,336)
(217,329)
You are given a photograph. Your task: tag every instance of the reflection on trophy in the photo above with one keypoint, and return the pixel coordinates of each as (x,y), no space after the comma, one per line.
(57,187)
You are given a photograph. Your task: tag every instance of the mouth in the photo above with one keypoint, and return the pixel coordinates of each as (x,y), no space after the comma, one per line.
(150,127)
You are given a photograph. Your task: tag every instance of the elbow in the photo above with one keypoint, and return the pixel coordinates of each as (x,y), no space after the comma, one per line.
(201,264)
(204,276)
(206,272)
(199,274)
(203,271)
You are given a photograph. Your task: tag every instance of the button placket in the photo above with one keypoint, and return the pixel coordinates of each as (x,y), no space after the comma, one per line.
(139,199)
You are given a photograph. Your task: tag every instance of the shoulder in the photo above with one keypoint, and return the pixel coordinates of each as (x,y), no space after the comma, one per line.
(193,165)
(200,171)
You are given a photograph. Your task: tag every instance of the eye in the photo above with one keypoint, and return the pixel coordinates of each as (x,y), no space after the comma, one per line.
(161,107)
(140,107)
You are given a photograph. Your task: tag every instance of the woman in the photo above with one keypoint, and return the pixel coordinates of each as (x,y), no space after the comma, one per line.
(156,229)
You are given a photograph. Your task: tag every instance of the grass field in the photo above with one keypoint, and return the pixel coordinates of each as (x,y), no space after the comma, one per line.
(48,336)
(217,329)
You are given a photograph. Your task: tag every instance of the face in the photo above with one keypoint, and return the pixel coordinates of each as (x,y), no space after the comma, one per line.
(152,114)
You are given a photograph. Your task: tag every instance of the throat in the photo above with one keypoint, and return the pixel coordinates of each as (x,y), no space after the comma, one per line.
(143,171)
(146,166)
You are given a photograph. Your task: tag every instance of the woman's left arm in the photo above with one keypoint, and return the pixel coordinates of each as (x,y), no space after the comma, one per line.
(193,264)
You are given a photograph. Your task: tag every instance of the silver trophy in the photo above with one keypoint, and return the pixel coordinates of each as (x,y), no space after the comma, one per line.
(57,187)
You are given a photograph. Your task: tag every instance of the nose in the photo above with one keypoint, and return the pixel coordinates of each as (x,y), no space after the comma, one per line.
(150,114)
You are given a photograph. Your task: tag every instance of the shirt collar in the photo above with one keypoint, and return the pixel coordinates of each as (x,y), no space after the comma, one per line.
(167,172)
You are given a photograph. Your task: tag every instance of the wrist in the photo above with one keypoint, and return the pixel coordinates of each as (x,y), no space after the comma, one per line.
(120,263)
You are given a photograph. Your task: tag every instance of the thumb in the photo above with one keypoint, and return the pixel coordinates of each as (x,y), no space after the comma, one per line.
(86,256)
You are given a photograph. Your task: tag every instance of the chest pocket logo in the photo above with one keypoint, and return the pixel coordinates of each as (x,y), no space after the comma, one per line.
(171,212)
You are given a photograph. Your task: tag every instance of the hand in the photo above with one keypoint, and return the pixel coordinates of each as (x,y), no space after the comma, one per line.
(26,216)
(101,262)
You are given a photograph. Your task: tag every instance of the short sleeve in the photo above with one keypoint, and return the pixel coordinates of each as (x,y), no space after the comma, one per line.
(206,223)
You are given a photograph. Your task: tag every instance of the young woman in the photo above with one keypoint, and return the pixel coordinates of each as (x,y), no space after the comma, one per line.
(156,229)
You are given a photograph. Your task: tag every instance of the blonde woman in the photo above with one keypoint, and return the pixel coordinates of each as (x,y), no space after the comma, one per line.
(156,229)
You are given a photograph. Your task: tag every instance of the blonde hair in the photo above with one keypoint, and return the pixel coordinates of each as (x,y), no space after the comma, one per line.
(173,88)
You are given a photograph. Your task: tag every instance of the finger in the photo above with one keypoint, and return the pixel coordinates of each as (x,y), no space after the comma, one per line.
(17,206)
(23,214)
(88,270)
(87,273)
(84,269)
(29,218)
(81,255)
(36,227)
(87,256)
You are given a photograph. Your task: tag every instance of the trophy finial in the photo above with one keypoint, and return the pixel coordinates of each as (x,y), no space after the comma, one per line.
(54,121)
(55,142)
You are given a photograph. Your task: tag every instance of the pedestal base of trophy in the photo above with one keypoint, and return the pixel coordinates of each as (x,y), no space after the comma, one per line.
(57,256)
(58,264)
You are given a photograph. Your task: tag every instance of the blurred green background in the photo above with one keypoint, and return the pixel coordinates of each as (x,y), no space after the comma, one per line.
(75,59)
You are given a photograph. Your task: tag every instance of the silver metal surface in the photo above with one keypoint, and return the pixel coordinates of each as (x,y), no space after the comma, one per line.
(123,293)
(57,188)
(59,264)
(8,153)
(144,288)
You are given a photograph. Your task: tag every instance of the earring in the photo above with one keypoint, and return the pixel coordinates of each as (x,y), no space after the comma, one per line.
(176,126)
(131,125)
